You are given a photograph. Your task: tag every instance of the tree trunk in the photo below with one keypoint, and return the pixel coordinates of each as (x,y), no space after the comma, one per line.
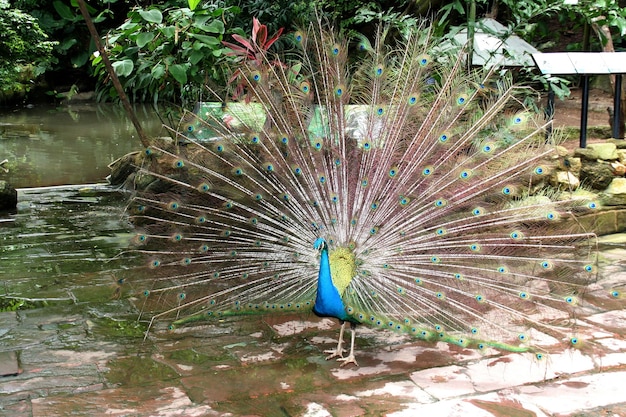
(605,33)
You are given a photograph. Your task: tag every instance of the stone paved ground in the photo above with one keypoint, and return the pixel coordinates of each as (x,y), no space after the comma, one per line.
(80,353)
(74,364)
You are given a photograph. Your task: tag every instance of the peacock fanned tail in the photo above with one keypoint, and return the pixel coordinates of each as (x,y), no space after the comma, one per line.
(426,183)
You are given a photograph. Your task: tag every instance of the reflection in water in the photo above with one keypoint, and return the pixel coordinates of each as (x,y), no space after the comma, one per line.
(68,145)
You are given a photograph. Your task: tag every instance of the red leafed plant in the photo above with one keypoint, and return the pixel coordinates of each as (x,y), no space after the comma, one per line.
(258,45)
(253,50)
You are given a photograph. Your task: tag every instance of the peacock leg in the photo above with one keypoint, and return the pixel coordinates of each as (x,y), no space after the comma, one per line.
(350,358)
(339,350)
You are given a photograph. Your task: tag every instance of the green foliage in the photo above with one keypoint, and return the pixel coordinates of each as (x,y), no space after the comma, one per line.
(603,12)
(166,52)
(534,22)
(530,19)
(15,304)
(61,20)
(25,51)
(355,14)
(276,14)
(399,21)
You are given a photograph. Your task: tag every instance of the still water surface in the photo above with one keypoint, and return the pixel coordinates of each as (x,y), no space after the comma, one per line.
(48,145)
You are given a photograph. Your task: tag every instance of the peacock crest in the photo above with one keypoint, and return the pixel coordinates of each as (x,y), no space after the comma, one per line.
(381,185)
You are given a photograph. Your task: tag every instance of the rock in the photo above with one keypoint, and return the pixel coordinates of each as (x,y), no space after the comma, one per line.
(85,96)
(615,193)
(621,153)
(8,196)
(596,175)
(8,364)
(606,151)
(619,169)
(586,154)
(122,168)
(620,143)
(561,151)
(564,180)
(570,163)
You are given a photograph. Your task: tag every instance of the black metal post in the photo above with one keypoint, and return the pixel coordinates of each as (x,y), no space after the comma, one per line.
(617,101)
(549,111)
(584,111)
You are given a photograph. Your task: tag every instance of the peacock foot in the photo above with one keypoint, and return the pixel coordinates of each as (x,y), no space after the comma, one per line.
(335,353)
(347,360)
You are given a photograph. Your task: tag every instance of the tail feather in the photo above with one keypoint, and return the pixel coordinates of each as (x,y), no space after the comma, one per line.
(424,172)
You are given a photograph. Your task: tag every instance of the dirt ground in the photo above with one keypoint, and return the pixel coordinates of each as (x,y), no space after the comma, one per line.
(568,111)
(567,114)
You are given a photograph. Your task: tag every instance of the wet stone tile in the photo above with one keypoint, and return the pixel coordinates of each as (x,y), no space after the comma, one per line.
(8,364)
(444,382)
(614,320)
(157,402)
(579,393)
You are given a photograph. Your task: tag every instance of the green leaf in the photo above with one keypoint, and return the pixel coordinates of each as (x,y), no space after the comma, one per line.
(145,65)
(130,50)
(209,40)
(80,59)
(168,31)
(144,38)
(196,56)
(193,4)
(215,26)
(90,9)
(128,25)
(179,72)
(152,15)
(113,38)
(158,71)
(123,68)
(63,10)
(67,43)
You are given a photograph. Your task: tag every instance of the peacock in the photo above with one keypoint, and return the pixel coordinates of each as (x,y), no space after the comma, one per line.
(373,180)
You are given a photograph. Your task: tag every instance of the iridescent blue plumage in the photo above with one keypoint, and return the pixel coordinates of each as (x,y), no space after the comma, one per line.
(328,301)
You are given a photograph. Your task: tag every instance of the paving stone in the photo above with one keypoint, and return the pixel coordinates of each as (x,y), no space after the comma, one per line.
(611,319)
(8,364)
(578,393)
(275,366)
(164,402)
(443,383)
(316,410)
(517,369)
(401,389)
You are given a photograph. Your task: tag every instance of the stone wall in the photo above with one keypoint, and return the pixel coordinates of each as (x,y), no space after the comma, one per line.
(600,168)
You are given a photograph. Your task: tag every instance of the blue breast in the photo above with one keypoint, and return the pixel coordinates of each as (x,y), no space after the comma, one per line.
(328,302)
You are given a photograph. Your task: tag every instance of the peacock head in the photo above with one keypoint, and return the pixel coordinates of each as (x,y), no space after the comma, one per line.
(320,244)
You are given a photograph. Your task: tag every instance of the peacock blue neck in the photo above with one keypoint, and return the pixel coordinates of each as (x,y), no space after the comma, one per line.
(328,302)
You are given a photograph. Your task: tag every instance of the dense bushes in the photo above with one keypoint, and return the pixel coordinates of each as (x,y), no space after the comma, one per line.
(25,51)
